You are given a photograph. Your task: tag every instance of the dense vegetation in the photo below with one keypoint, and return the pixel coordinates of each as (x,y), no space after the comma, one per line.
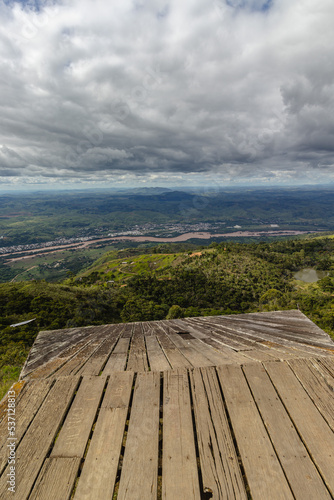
(163,282)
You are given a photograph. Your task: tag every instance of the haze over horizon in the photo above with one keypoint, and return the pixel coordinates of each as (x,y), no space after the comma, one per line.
(166,93)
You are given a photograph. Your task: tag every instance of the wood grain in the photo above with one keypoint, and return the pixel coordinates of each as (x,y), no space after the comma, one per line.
(39,437)
(140,466)
(56,479)
(219,462)
(300,471)
(263,470)
(312,427)
(74,434)
(180,476)
(105,447)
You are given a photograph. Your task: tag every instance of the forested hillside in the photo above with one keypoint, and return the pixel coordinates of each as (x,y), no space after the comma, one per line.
(130,285)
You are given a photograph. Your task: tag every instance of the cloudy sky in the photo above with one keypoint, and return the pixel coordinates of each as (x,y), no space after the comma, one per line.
(166,92)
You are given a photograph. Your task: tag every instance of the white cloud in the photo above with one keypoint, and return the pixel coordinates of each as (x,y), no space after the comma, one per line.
(235,89)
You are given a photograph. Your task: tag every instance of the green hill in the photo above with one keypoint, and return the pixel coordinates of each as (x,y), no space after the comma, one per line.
(164,282)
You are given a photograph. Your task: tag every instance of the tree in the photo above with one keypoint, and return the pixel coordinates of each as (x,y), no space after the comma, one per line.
(175,312)
(271,295)
(326,284)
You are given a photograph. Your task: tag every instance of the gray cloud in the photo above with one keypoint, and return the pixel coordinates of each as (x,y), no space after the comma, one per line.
(233,90)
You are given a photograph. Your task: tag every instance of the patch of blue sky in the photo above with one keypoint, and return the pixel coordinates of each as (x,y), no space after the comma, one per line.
(267,5)
(31,4)
(252,5)
(163,12)
(35,5)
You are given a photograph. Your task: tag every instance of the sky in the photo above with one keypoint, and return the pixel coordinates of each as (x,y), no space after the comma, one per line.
(97,93)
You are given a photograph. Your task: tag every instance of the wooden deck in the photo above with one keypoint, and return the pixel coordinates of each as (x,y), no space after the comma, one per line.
(224,407)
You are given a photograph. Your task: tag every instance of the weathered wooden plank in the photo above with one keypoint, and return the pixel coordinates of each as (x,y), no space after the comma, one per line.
(303,477)
(164,338)
(148,328)
(174,356)
(245,324)
(137,360)
(98,359)
(228,336)
(244,329)
(180,475)
(292,316)
(318,384)
(209,329)
(308,350)
(128,329)
(122,346)
(51,345)
(47,370)
(250,337)
(314,430)
(140,466)
(53,349)
(263,470)
(232,355)
(309,334)
(74,364)
(288,328)
(193,355)
(118,391)
(156,356)
(116,363)
(117,359)
(229,339)
(39,437)
(259,354)
(74,434)
(214,356)
(179,341)
(282,351)
(50,367)
(328,363)
(186,324)
(26,408)
(295,325)
(219,462)
(56,479)
(97,479)
(298,351)
(218,325)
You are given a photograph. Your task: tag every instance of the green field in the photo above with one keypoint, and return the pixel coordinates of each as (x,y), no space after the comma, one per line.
(51,266)
(109,268)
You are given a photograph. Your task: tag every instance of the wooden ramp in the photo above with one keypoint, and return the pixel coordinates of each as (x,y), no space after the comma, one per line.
(229,407)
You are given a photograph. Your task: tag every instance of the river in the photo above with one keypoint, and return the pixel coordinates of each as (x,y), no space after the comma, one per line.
(157,239)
